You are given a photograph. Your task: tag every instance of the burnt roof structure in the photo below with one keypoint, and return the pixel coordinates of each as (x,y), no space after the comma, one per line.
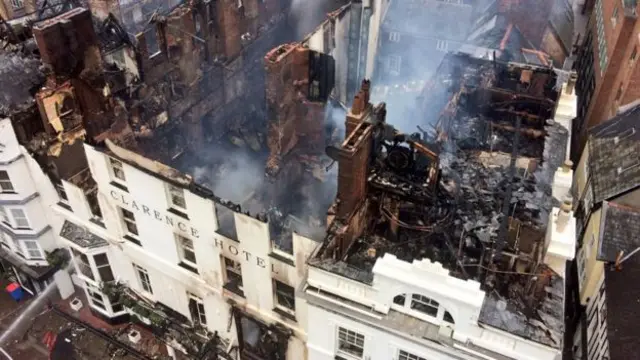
(475,196)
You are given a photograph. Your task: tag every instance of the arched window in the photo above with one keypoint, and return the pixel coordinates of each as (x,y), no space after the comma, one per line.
(424,305)
(400,299)
(448,318)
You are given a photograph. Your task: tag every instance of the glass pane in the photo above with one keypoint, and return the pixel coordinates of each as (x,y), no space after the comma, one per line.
(101,259)
(189,256)
(106,274)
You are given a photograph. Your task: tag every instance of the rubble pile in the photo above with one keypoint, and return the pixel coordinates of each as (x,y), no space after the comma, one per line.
(20,77)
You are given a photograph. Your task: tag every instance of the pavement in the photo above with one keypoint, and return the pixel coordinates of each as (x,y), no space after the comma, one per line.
(34,338)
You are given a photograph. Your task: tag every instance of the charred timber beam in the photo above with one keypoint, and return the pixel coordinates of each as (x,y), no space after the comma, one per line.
(523,114)
(530,132)
(501,242)
(510,94)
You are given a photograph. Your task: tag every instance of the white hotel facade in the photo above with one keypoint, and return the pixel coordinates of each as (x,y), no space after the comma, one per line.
(158,234)
(160,238)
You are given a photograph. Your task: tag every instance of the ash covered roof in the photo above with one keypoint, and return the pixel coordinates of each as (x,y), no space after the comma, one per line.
(497,152)
(19,74)
(614,165)
(619,231)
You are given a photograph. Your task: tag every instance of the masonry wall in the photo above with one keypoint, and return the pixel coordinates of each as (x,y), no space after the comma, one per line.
(378,343)
(616,84)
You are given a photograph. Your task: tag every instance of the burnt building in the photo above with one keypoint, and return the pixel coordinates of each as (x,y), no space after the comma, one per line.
(146,139)
(415,35)
(449,244)
(534,32)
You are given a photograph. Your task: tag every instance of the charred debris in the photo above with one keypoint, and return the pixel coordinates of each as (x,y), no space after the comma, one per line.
(190,90)
(474,195)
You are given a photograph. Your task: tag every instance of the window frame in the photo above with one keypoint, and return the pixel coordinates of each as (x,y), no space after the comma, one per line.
(394,64)
(175,191)
(102,304)
(442,45)
(405,355)
(180,241)
(6,181)
(62,193)
(24,217)
(425,302)
(199,307)
(3,240)
(4,216)
(356,336)
(277,292)
(233,267)
(17,247)
(17,4)
(117,167)
(79,260)
(38,249)
(130,221)
(106,266)
(144,281)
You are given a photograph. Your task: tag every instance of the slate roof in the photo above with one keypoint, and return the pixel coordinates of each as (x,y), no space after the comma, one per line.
(429,18)
(81,236)
(614,164)
(561,20)
(622,299)
(619,230)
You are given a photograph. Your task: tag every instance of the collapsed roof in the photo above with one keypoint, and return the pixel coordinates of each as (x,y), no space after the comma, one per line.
(474,196)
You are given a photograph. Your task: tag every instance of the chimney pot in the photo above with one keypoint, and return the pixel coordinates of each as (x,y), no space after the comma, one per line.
(358,107)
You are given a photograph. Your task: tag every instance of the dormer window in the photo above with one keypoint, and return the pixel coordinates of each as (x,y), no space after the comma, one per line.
(422,307)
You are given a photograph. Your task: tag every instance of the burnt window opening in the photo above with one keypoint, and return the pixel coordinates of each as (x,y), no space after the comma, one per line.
(67,106)
(285,296)
(233,276)
(226,222)
(153,45)
(104,268)
(251,334)
(196,309)
(198,26)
